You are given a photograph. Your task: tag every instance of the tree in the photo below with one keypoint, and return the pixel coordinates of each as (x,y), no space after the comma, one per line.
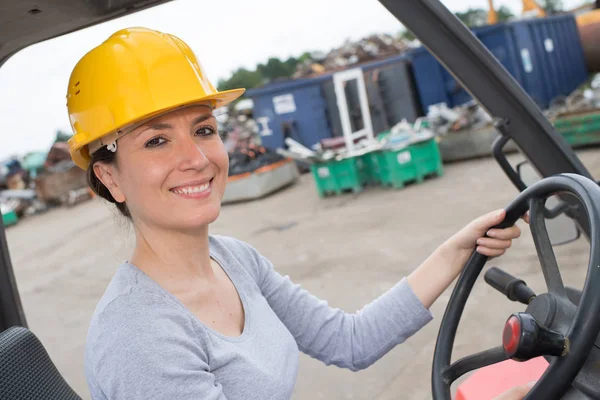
(306,56)
(61,136)
(551,6)
(473,17)
(275,68)
(407,35)
(241,78)
(504,14)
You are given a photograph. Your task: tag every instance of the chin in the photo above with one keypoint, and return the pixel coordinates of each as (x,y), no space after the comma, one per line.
(200,217)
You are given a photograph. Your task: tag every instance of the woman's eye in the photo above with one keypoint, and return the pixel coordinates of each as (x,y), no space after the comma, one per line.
(206,131)
(154,142)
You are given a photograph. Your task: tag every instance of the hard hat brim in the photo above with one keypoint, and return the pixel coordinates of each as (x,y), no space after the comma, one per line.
(225,97)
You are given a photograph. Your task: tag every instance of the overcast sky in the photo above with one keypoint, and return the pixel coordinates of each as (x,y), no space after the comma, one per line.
(225,35)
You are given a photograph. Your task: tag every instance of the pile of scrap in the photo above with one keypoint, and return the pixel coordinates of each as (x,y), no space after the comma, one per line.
(371,48)
(326,150)
(38,181)
(467,132)
(16,197)
(582,100)
(401,135)
(443,120)
(61,184)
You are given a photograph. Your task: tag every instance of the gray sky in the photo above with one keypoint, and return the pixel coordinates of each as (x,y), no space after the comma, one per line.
(225,34)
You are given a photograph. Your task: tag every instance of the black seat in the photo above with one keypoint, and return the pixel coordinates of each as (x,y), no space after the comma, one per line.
(26,371)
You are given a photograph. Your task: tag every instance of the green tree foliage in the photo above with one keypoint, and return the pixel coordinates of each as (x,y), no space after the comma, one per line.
(272,70)
(242,78)
(551,6)
(473,17)
(61,136)
(504,14)
(275,68)
(407,35)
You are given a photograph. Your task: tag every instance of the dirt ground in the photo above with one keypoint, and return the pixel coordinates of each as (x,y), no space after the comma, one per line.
(346,250)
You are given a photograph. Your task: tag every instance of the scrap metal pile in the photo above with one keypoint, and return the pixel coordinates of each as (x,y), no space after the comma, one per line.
(30,187)
(443,120)
(367,49)
(240,134)
(401,135)
(586,98)
(251,158)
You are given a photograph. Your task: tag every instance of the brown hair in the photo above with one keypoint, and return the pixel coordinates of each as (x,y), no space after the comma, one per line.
(105,156)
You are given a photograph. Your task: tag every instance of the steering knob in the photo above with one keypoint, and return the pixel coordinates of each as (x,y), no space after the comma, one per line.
(523,339)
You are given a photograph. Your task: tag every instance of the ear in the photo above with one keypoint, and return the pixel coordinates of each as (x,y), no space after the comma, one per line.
(107,174)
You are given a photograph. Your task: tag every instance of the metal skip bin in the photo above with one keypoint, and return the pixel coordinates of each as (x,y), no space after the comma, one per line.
(544,55)
(307,110)
(294,109)
(557,65)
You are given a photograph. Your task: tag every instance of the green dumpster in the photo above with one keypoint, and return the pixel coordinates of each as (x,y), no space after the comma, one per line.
(338,176)
(580,129)
(411,163)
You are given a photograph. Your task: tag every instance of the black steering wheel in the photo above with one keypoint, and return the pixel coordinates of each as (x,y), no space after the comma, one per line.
(552,325)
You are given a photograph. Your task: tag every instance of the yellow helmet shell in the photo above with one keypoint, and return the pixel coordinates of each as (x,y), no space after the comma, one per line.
(136,74)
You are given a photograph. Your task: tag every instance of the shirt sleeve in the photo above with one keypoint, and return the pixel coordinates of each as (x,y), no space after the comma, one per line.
(144,350)
(352,341)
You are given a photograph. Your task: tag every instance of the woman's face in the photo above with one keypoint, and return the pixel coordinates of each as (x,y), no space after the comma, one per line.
(172,170)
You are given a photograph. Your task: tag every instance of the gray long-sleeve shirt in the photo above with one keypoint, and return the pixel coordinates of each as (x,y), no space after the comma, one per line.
(144,344)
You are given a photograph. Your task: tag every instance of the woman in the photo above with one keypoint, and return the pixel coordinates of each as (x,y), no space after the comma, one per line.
(196,316)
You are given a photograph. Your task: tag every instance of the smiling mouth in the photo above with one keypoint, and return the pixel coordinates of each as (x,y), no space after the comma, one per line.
(193,189)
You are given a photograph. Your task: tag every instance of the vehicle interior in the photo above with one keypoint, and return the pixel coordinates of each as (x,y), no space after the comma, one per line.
(561,325)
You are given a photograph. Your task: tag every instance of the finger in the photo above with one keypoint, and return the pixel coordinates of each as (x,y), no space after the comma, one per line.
(526,217)
(488,220)
(486,251)
(494,243)
(505,234)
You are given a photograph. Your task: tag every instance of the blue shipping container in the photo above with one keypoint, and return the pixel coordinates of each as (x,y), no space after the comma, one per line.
(544,55)
(296,109)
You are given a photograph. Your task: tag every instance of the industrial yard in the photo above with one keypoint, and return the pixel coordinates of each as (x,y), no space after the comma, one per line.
(348,163)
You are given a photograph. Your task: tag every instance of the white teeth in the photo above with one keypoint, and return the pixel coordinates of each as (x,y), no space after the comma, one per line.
(192,189)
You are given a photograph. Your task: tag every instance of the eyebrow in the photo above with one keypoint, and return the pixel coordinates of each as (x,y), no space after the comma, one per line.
(161,126)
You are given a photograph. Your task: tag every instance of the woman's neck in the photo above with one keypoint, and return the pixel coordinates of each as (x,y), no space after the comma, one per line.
(173,258)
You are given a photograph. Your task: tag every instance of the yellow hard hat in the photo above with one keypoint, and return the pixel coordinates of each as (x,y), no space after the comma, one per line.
(136,74)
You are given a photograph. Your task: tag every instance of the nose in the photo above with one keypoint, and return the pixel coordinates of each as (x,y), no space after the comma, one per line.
(191,155)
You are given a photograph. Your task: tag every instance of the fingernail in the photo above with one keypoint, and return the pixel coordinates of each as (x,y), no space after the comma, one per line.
(531,384)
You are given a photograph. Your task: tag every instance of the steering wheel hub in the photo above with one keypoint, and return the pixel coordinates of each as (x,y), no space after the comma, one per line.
(524,338)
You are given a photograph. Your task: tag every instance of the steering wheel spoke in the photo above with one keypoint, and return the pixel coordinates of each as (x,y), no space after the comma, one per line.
(472,362)
(543,246)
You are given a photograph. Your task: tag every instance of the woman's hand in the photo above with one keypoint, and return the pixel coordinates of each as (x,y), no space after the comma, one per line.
(479,235)
(438,271)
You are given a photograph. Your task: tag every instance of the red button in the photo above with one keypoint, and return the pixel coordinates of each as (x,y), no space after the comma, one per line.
(511,335)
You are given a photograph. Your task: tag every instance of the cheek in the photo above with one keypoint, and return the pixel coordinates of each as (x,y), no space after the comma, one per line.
(220,158)
(141,177)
